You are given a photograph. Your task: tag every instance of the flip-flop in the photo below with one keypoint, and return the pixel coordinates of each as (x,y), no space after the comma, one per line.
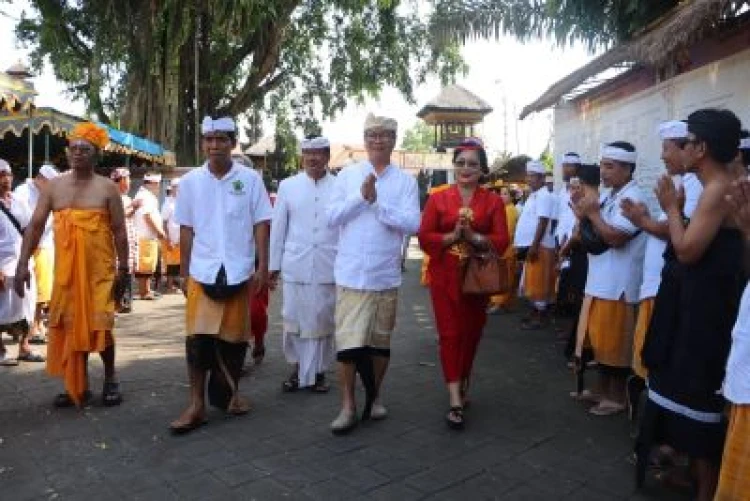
(184,429)
(6,361)
(31,357)
(607,409)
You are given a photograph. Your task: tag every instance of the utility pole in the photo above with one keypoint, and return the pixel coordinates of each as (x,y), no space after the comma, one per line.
(196,108)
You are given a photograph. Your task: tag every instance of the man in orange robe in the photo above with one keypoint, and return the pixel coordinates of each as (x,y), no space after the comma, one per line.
(89,223)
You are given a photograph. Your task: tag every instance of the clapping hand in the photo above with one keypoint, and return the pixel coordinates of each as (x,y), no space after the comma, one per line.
(369,193)
(670,198)
(635,212)
(586,206)
(738,198)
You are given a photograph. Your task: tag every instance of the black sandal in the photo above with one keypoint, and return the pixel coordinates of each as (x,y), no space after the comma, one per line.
(320,385)
(63,400)
(455,418)
(290,385)
(111,395)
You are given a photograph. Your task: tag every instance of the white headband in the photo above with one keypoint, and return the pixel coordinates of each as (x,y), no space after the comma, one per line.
(535,167)
(4,166)
(673,129)
(571,159)
(745,143)
(152,178)
(224,124)
(619,155)
(315,143)
(48,172)
(174,182)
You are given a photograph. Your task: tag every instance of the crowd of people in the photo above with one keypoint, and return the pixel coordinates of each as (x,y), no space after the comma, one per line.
(656,298)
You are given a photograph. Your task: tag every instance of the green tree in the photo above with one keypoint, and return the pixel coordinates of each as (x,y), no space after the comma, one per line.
(548,160)
(134,62)
(419,138)
(596,23)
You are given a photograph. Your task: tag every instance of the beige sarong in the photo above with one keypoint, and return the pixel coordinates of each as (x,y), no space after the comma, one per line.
(365,318)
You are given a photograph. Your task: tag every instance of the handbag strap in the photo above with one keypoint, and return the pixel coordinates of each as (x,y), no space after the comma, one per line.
(11,218)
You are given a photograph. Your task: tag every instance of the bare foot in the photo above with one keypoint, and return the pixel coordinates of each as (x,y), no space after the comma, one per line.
(238,406)
(189,420)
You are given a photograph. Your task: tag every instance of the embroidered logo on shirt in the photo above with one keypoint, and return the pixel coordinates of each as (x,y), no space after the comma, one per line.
(238,187)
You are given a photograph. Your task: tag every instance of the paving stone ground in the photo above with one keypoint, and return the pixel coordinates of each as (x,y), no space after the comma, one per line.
(524,440)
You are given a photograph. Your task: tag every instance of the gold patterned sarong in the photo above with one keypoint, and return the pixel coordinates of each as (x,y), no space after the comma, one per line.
(365,318)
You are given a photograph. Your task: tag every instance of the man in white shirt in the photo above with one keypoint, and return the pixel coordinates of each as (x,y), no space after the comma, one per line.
(223,212)
(149,230)
(535,239)
(16,312)
(170,248)
(303,251)
(374,206)
(44,256)
(614,277)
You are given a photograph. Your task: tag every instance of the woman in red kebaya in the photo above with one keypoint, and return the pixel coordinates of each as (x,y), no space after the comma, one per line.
(455,220)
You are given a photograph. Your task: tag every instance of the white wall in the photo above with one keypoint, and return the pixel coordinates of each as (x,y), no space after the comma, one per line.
(724,84)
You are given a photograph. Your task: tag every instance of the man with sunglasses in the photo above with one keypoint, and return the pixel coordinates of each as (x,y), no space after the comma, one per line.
(374,205)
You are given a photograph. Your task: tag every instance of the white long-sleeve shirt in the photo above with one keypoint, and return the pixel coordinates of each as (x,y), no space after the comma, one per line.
(29,193)
(303,246)
(369,254)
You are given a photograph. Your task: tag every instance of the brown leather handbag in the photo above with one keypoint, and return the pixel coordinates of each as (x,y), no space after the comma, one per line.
(485,273)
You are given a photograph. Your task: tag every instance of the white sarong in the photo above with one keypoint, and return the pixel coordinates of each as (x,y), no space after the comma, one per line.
(308,314)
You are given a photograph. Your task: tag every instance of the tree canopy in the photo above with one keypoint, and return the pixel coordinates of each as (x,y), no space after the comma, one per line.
(596,23)
(139,64)
(419,138)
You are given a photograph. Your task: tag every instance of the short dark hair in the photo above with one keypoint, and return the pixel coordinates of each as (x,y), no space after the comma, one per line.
(720,129)
(624,145)
(589,174)
(745,152)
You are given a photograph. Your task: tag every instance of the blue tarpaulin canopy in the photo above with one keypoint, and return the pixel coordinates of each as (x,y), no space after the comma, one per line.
(60,124)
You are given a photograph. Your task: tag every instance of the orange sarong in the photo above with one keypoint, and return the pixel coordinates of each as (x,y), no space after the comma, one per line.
(645,312)
(734,480)
(170,255)
(609,325)
(82,307)
(539,276)
(228,320)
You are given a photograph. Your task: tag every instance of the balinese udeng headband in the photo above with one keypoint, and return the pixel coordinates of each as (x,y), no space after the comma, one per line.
(535,167)
(119,173)
(91,133)
(745,143)
(224,124)
(4,166)
(673,129)
(619,155)
(315,143)
(571,159)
